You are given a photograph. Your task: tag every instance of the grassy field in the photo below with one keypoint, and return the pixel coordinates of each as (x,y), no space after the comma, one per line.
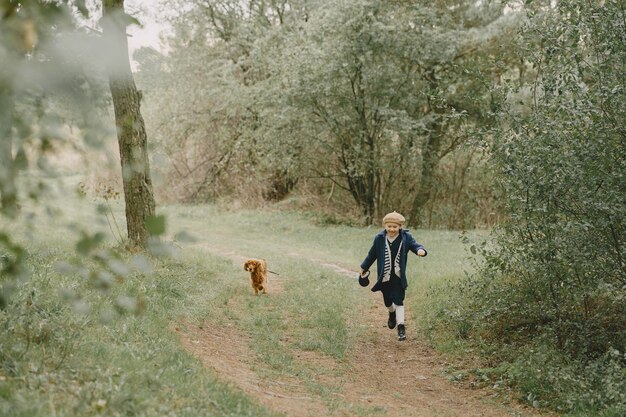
(74,341)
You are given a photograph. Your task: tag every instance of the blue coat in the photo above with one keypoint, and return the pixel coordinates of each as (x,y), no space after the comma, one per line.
(377,253)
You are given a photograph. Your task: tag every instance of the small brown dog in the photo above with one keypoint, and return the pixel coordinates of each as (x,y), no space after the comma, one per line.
(258,274)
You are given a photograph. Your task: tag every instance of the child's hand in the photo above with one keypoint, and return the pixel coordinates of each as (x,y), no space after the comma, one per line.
(421,252)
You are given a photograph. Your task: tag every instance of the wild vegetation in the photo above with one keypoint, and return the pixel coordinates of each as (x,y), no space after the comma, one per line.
(499,115)
(361,106)
(549,297)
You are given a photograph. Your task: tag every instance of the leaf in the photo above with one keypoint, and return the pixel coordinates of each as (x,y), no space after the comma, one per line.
(119,268)
(104,280)
(87,243)
(124,19)
(126,304)
(130,20)
(63,268)
(156,225)
(141,264)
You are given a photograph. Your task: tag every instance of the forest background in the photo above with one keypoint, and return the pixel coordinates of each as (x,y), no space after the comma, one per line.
(505,115)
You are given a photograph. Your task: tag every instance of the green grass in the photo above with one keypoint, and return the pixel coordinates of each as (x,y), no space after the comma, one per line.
(55,360)
(282,237)
(58,362)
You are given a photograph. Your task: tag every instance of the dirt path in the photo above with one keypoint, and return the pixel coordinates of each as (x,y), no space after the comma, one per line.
(382,377)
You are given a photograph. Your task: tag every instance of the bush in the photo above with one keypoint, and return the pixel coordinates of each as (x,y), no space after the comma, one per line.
(558,266)
(550,296)
(546,377)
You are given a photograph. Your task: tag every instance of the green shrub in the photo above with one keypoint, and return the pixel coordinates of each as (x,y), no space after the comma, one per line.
(550,297)
(548,378)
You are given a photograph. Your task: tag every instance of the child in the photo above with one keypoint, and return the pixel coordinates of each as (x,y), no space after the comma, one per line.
(390,249)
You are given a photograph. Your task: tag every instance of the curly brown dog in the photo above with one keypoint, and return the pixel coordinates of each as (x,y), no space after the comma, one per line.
(258,274)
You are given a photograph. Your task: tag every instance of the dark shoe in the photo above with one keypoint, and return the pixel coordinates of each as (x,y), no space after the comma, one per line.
(392,320)
(401,332)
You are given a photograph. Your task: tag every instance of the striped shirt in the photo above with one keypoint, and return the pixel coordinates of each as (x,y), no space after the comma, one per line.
(388,255)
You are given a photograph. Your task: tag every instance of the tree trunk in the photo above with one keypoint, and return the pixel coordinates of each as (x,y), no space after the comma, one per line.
(363,181)
(430,160)
(131,132)
(361,185)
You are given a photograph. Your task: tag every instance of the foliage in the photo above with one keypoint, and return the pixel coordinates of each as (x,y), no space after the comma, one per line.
(52,101)
(562,170)
(463,198)
(208,121)
(387,90)
(546,378)
(362,97)
(551,292)
(42,86)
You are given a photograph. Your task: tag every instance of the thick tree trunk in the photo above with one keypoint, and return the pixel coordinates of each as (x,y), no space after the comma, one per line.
(131,132)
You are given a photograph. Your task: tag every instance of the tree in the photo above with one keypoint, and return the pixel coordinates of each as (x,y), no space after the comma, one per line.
(323,94)
(220,144)
(389,89)
(132,138)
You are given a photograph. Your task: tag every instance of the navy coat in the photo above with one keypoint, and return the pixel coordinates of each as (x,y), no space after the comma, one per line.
(377,253)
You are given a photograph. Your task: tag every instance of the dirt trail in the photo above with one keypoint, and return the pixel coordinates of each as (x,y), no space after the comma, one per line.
(383,377)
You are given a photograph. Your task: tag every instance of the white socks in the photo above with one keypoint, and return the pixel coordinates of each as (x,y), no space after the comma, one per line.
(399,312)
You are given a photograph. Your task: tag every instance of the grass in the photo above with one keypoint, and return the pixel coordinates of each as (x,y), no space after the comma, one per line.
(71,346)
(58,362)
(272,235)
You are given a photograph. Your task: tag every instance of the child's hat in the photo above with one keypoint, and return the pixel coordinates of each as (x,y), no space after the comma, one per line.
(394,217)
